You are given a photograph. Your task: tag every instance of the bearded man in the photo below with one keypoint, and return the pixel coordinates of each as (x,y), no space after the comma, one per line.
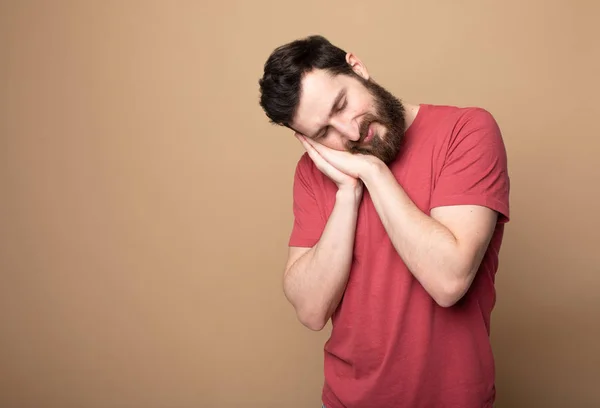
(399,213)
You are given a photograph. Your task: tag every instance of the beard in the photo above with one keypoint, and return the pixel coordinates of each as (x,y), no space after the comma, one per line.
(389,113)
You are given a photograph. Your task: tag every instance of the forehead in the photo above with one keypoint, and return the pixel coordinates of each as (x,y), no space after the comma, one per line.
(318,92)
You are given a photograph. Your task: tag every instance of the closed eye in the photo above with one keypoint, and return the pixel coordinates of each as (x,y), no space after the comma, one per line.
(340,108)
(323,133)
(336,107)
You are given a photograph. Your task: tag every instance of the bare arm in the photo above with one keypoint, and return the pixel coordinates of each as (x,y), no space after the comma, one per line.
(315,278)
(443,251)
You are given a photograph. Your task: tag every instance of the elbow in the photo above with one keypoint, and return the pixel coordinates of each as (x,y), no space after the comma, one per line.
(447,300)
(313,317)
(315,320)
(451,292)
(315,325)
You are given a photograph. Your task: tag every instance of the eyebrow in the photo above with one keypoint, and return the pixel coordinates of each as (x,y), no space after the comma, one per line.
(336,102)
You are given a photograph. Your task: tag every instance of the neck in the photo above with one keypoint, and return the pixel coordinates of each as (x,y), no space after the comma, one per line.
(410,113)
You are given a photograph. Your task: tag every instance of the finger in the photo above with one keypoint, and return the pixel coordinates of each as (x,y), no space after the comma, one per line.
(319,161)
(312,152)
(313,144)
(305,141)
(301,141)
(323,150)
(324,156)
(309,145)
(329,155)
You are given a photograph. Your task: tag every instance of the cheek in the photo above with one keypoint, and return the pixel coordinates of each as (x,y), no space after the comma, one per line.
(333,143)
(380,129)
(367,106)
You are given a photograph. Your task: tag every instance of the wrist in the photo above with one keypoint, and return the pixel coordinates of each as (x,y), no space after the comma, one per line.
(372,168)
(349,194)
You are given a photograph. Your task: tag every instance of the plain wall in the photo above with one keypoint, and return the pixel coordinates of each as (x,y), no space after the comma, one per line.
(146,202)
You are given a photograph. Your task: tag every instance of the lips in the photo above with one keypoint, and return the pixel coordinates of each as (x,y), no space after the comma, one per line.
(369,134)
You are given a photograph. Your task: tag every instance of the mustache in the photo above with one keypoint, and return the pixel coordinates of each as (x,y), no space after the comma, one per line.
(363,129)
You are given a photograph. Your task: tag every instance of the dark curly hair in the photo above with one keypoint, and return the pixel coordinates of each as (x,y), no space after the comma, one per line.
(280,86)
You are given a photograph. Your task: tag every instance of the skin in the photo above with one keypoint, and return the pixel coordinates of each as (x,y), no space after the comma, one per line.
(443,251)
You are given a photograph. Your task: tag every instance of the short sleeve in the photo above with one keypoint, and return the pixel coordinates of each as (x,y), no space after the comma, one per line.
(475,169)
(308,220)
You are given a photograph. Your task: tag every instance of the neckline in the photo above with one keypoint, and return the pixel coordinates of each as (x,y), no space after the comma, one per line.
(414,126)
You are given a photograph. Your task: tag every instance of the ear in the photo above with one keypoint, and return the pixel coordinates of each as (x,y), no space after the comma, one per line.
(357,65)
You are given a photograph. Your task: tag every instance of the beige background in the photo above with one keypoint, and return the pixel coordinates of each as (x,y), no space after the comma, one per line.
(146,202)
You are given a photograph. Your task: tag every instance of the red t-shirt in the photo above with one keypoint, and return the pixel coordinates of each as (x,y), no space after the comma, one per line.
(391,345)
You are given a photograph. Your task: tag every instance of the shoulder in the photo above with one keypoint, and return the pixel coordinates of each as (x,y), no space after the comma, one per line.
(473,123)
(447,127)
(307,174)
(460,114)
(304,162)
(446,123)
(478,118)
(305,167)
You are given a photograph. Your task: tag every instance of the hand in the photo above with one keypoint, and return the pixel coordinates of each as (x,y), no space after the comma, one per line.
(352,164)
(343,180)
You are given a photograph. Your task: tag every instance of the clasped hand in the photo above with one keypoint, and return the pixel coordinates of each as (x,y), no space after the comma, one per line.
(343,168)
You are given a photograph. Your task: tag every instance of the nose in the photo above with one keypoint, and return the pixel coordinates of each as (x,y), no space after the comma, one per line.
(347,128)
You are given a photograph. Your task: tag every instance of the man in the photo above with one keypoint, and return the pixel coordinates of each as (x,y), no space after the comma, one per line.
(399,216)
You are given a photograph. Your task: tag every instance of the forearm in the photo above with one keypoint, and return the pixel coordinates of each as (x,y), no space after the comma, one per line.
(428,248)
(315,283)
